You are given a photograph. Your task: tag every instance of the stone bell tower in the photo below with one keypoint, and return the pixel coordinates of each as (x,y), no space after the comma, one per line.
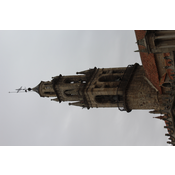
(150,86)
(126,88)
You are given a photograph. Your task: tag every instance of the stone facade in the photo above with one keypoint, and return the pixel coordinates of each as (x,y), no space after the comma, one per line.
(126,88)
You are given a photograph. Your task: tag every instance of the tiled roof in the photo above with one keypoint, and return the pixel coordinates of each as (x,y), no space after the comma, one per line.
(160,65)
(148,62)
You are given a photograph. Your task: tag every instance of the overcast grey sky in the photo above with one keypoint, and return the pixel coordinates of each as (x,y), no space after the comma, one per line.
(28,57)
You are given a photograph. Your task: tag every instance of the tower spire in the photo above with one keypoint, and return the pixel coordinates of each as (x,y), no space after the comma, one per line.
(20,90)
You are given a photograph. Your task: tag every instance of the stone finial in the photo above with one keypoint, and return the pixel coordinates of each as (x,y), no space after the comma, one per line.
(160,117)
(155,112)
(55,99)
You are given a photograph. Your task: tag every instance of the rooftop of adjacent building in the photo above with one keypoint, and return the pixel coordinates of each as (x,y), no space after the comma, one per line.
(148,62)
(155,69)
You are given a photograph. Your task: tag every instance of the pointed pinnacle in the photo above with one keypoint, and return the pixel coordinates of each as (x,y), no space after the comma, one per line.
(159,117)
(167,135)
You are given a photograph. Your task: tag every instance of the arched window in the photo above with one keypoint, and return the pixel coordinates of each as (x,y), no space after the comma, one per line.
(108,98)
(47,83)
(98,86)
(70,92)
(69,80)
(67,92)
(107,86)
(104,72)
(110,78)
(117,71)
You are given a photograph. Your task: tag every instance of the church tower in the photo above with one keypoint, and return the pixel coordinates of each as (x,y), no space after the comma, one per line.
(125,87)
(150,86)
